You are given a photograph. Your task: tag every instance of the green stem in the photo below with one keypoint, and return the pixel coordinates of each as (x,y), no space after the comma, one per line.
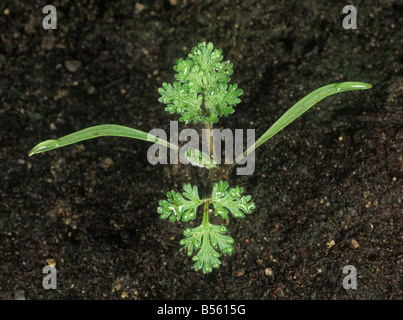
(205,221)
(207,195)
(210,139)
(212,174)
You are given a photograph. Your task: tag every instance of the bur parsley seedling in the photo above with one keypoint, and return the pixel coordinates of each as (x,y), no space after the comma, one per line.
(202,93)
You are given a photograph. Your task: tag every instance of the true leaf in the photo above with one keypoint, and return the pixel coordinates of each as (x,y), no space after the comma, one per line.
(224,200)
(180,206)
(207,239)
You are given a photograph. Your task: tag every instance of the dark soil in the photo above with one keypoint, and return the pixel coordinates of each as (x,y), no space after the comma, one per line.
(327,188)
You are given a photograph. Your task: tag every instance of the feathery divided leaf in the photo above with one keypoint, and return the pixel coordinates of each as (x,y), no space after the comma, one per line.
(221,101)
(180,206)
(180,100)
(201,92)
(224,199)
(206,239)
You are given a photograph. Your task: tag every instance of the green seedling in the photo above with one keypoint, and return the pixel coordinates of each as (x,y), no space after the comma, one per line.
(202,93)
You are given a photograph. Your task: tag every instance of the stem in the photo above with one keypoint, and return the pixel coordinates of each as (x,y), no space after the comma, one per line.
(210,180)
(210,138)
(207,195)
(205,221)
(209,183)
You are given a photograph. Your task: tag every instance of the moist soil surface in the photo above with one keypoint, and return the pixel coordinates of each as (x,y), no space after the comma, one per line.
(327,188)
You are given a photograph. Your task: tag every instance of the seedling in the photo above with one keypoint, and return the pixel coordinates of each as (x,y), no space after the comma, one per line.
(202,93)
